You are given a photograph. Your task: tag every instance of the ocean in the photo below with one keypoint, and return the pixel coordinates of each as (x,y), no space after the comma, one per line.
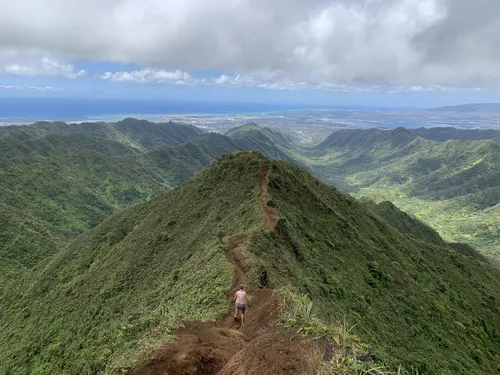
(18,109)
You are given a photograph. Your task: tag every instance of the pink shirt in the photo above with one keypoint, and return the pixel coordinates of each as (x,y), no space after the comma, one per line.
(241,297)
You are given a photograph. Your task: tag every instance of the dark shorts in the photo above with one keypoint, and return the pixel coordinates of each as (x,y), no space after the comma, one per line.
(241,307)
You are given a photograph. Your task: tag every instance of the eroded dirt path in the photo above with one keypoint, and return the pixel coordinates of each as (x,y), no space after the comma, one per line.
(256,297)
(269,214)
(225,347)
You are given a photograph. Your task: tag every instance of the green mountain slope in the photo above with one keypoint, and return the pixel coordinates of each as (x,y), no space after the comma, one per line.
(409,225)
(68,184)
(181,162)
(442,134)
(404,222)
(59,180)
(126,283)
(150,135)
(272,142)
(140,134)
(453,185)
(413,300)
(367,139)
(116,292)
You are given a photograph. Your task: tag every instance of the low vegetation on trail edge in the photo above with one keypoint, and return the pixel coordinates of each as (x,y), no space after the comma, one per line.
(117,292)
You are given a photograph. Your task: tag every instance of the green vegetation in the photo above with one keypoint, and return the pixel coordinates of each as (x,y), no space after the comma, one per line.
(349,355)
(447,133)
(59,180)
(451,184)
(411,300)
(117,291)
(272,142)
(408,224)
(449,178)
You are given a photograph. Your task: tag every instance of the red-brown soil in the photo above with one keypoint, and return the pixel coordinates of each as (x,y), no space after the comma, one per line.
(269,213)
(225,347)
(275,351)
(200,348)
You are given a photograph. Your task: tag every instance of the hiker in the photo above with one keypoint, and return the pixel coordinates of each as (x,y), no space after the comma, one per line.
(240,299)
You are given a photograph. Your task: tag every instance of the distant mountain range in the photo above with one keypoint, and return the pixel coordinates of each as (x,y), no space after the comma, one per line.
(476,107)
(60,180)
(449,178)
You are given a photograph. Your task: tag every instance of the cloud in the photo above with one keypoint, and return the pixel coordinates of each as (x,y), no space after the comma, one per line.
(273,83)
(281,43)
(45,67)
(32,88)
(147,76)
(10,87)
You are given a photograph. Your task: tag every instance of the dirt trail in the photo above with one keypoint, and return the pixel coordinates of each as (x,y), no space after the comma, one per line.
(225,347)
(234,257)
(270,214)
(256,296)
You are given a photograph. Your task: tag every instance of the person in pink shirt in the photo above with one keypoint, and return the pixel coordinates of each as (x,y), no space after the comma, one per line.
(240,298)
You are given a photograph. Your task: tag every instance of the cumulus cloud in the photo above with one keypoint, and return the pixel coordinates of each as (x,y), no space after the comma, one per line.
(327,43)
(147,76)
(43,67)
(273,83)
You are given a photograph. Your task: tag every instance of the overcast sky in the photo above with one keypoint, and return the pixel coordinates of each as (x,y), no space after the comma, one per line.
(447,49)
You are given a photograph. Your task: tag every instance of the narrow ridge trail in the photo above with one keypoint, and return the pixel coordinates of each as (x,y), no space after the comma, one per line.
(226,347)
(270,214)
(256,296)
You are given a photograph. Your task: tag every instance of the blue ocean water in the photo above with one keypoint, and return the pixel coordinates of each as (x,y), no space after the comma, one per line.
(81,109)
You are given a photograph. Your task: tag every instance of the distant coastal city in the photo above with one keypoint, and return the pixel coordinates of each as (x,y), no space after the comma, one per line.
(306,125)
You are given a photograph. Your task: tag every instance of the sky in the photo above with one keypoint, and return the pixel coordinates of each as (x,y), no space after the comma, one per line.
(393,53)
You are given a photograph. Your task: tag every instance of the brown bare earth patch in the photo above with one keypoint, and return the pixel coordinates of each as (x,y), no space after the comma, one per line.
(276,351)
(226,346)
(270,214)
(199,348)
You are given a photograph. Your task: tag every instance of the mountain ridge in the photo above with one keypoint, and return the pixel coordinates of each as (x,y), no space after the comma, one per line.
(447,178)
(75,175)
(116,293)
(470,107)
(60,164)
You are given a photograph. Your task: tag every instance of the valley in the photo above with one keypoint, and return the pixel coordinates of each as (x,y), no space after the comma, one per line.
(448,179)
(107,301)
(117,235)
(249,187)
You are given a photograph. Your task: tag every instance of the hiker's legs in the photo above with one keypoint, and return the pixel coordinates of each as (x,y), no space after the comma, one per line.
(242,316)
(235,312)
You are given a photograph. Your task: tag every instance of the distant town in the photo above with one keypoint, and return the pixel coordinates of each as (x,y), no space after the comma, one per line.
(310,126)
